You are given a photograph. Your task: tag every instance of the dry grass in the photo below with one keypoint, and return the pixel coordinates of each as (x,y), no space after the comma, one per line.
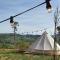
(9,55)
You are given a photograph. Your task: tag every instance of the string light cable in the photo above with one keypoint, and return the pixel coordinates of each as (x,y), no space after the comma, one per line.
(47,6)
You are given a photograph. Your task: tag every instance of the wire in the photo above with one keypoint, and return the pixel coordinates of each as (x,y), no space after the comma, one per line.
(24,12)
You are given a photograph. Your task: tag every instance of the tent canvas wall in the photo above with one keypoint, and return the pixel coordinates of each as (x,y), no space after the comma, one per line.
(45,44)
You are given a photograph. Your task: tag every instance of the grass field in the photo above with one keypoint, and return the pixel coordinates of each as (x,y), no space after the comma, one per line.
(7,55)
(7,47)
(15,56)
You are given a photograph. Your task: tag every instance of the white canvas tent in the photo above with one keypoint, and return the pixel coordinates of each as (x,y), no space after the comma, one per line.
(45,44)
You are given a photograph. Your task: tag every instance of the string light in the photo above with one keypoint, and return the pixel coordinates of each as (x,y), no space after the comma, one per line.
(48,5)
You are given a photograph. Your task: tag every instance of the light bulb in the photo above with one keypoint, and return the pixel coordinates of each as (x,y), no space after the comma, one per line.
(49,10)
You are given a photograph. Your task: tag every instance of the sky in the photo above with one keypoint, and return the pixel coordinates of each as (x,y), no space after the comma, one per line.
(34,22)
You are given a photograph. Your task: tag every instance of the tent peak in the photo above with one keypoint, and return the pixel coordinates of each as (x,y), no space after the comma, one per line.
(44,33)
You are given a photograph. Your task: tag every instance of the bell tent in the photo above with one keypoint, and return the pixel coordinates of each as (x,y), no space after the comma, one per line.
(44,45)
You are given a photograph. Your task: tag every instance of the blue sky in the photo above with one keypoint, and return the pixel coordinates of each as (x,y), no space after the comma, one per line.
(37,19)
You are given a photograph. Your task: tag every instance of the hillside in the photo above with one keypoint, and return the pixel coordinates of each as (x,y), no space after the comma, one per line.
(7,40)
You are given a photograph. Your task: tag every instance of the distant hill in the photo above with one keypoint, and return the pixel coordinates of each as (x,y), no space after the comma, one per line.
(7,40)
(10,36)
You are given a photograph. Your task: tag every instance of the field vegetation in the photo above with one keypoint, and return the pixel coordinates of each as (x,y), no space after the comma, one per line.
(10,48)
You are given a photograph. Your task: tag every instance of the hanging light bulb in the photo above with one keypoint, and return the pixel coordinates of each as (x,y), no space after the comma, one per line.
(11,21)
(49,10)
(48,5)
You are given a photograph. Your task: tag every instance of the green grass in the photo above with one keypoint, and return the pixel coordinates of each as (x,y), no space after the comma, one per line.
(13,55)
(18,56)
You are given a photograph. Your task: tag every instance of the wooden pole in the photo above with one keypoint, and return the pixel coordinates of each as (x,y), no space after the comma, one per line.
(55,31)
